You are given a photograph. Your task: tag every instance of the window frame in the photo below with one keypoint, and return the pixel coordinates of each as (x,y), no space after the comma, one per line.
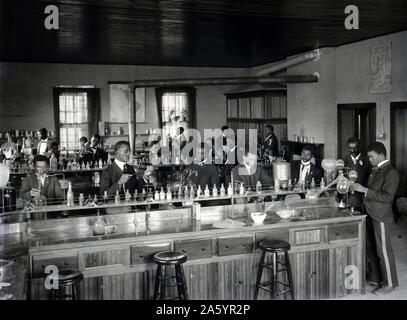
(93,100)
(191,94)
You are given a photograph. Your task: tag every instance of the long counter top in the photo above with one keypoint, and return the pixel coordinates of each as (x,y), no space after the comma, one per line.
(158,224)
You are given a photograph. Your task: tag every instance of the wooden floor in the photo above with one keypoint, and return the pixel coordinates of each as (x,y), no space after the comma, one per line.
(399,242)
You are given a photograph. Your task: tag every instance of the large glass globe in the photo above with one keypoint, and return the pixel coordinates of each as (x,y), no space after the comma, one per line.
(343,185)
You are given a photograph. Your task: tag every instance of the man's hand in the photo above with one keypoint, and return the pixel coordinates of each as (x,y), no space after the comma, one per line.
(358,188)
(34,192)
(124,178)
(148,172)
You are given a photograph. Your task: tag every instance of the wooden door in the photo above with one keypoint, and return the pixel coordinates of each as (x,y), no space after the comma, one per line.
(399,143)
(356,120)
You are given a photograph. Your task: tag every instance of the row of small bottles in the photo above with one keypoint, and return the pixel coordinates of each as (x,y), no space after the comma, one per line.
(168,194)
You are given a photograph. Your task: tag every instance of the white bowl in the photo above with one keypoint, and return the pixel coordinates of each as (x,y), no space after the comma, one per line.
(284,214)
(258,217)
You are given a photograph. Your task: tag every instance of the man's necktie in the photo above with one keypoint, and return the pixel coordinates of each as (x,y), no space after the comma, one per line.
(125,168)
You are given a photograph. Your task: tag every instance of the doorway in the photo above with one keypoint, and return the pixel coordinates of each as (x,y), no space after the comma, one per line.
(398,123)
(356,120)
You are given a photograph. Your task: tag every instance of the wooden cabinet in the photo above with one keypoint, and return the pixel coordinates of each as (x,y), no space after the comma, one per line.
(145,253)
(235,245)
(221,265)
(195,249)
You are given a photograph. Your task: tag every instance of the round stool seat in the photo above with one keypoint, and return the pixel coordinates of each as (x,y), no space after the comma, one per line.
(274,245)
(169,257)
(69,275)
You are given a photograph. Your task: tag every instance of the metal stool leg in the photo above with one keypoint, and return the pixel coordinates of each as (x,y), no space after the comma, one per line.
(290,276)
(157,282)
(259,274)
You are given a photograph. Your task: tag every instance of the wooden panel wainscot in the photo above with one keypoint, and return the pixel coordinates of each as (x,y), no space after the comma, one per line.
(327,259)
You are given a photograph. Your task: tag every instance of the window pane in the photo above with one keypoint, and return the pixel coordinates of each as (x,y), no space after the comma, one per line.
(175,108)
(73,116)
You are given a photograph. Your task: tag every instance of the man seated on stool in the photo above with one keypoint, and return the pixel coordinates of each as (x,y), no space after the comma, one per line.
(303,170)
(120,176)
(203,172)
(50,186)
(249,172)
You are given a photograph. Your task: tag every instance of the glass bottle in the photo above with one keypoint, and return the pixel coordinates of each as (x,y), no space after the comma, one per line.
(222,190)
(39,200)
(81,199)
(105,197)
(162,194)
(117,197)
(128,196)
(215,191)
(69,196)
(206,192)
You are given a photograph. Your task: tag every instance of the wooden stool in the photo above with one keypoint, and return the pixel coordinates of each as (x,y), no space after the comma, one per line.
(275,247)
(66,278)
(170,259)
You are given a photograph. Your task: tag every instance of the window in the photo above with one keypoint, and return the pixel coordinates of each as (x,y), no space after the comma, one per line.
(176,109)
(76,114)
(73,118)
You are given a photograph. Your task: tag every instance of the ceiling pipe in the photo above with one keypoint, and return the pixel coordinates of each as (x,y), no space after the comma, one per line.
(313,55)
(309,78)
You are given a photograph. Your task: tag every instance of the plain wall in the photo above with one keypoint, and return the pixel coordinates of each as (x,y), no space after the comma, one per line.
(345,77)
(26,91)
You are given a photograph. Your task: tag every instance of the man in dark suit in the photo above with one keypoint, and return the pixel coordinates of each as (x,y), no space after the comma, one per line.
(303,170)
(249,172)
(97,152)
(358,162)
(120,176)
(270,143)
(378,200)
(202,171)
(39,183)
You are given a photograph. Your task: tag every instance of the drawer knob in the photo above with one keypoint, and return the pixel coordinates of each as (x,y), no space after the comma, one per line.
(184,251)
(141,255)
(337,233)
(203,249)
(244,244)
(227,246)
(66,263)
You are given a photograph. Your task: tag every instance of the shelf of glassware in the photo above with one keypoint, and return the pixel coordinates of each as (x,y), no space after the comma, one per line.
(264,193)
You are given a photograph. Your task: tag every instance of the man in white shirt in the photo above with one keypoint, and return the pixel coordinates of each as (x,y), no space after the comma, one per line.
(304,170)
(43,145)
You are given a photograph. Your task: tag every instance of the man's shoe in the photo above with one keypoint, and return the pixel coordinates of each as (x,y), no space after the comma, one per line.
(383,290)
(372,286)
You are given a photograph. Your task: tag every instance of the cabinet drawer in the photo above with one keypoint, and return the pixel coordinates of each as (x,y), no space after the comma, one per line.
(343,231)
(194,249)
(280,234)
(68,262)
(309,236)
(235,245)
(144,253)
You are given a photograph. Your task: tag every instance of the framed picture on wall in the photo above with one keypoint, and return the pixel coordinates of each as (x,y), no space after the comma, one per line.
(119,103)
